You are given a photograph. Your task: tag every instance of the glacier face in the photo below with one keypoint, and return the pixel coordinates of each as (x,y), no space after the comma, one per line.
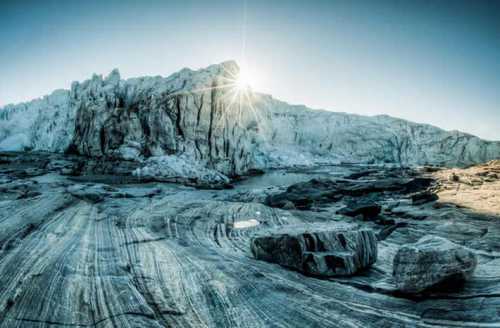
(382,138)
(203,117)
(190,112)
(193,113)
(42,124)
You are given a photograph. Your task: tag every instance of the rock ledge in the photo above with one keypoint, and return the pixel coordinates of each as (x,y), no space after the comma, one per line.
(319,250)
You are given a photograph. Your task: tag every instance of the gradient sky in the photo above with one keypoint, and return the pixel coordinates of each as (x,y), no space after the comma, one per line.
(434,62)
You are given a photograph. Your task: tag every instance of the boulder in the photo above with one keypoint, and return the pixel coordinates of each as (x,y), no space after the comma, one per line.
(432,262)
(319,250)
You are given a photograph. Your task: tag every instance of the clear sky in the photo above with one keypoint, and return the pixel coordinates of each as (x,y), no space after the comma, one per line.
(434,62)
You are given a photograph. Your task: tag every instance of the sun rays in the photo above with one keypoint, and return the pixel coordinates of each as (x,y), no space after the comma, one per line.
(245,78)
(235,85)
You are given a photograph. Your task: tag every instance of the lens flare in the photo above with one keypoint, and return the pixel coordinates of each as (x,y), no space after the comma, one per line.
(244,79)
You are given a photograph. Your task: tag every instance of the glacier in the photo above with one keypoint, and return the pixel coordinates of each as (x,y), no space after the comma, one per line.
(199,125)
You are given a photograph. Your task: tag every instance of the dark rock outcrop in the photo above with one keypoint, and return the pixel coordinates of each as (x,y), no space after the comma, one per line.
(368,210)
(430,262)
(304,195)
(361,174)
(320,251)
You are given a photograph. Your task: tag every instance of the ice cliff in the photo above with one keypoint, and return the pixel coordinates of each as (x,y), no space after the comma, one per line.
(379,139)
(202,117)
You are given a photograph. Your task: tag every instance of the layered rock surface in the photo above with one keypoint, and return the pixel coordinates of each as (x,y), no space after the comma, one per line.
(320,250)
(104,251)
(432,261)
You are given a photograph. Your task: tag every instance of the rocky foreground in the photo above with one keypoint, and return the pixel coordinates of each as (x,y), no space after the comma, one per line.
(363,246)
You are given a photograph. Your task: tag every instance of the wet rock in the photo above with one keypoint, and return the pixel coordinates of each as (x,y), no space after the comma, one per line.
(319,251)
(304,194)
(358,175)
(367,210)
(430,262)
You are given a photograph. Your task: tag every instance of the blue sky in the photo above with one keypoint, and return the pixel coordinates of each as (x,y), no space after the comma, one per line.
(434,62)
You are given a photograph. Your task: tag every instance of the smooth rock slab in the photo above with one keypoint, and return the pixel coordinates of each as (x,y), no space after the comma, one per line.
(319,250)
(430,262)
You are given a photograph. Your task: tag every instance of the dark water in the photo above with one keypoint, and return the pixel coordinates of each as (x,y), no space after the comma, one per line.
(281,178)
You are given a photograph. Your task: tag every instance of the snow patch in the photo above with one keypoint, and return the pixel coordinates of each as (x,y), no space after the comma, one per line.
(245,224)
(171,167)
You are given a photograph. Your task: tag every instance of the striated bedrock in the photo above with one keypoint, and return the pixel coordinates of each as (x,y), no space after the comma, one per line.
(319,250)
(106,253)
(432,262)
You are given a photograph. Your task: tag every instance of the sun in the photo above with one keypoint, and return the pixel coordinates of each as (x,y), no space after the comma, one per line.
(239,83)
(244,79)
